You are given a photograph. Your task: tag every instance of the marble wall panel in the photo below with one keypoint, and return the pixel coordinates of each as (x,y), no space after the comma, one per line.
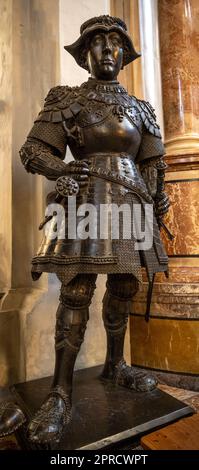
(182,218)
(160,344)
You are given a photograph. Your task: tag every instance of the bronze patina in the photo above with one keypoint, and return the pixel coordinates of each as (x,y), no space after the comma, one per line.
(118,158)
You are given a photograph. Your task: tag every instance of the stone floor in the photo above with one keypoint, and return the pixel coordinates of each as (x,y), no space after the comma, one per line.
(189,397)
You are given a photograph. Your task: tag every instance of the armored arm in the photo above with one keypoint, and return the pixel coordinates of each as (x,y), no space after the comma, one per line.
(45,148)
(153,174)
(39,157)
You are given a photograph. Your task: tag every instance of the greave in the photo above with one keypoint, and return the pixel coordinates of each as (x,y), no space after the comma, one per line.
(115,317)
(70,329)
(116,309)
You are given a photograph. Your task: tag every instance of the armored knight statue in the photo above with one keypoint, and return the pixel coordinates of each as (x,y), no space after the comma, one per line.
(118,159)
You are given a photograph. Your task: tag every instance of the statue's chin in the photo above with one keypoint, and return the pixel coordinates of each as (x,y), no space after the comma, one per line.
(106,74)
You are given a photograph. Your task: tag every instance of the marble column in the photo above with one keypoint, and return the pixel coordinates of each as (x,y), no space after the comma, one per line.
(169,343)
(179,26)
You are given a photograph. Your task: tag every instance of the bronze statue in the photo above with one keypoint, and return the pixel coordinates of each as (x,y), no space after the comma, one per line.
(118,158)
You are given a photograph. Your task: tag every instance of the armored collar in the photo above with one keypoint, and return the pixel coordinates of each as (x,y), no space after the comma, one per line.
(63,103)
(107,92)
(103,86)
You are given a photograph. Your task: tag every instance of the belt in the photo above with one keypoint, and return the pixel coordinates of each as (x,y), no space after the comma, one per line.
(134,187)
(67,186)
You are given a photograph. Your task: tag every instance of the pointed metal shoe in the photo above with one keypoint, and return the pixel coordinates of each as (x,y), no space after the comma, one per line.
(48,424)
(11,418)
(130,377)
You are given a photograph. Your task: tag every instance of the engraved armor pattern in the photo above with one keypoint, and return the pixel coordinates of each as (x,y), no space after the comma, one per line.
(79,116)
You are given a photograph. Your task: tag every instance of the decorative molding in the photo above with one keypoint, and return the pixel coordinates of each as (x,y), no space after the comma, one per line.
(187,144)
(185,180)
(182,162)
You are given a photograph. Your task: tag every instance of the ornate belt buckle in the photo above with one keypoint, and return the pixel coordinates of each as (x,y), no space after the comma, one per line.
(66,186)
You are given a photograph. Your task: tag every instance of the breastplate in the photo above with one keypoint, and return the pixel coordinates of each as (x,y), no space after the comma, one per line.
(109,135)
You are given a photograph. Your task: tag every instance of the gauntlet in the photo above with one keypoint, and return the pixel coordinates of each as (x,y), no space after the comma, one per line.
(161,199)
(39,157)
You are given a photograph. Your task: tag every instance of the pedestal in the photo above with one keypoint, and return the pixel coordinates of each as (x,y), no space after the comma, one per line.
(104,415)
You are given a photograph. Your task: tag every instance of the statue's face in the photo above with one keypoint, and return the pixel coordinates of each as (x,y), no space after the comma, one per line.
(105,55)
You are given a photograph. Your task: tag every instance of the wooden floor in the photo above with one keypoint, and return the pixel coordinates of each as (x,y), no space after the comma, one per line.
(187,430)
(182,435)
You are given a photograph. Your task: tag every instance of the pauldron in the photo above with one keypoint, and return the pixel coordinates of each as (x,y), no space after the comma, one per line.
(86,106)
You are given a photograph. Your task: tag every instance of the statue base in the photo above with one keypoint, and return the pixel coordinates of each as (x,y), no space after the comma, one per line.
(104,415)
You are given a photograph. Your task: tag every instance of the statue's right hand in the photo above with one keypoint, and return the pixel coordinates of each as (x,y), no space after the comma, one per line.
(79,171)
(73,180)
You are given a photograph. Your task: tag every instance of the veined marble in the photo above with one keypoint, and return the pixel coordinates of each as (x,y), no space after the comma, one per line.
(179,48)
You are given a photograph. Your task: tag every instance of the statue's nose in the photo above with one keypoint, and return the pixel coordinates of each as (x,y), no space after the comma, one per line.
(107,44)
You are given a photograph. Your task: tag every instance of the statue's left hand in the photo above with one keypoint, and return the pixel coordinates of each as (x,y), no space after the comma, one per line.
(162,204)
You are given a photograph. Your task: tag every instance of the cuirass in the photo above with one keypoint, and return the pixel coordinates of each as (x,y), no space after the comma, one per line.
(110,135)
(105,119)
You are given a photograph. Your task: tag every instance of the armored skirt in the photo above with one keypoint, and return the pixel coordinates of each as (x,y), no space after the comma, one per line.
(104,228)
